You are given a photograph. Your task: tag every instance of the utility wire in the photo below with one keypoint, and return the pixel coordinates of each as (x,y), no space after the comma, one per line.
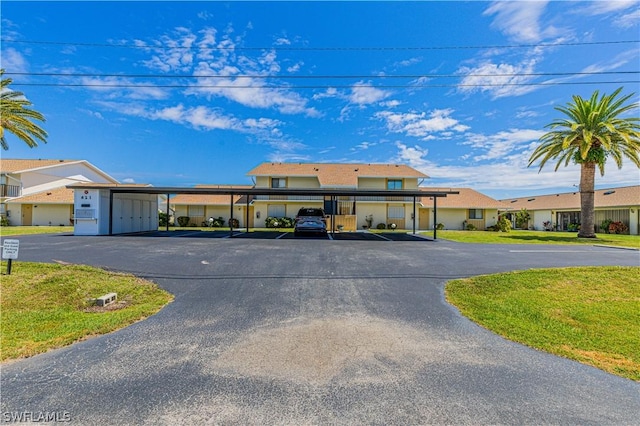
(421,86)
(304,77)
(334,48)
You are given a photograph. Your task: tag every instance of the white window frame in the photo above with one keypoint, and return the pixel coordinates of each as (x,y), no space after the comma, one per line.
(395,212)
(195,211)
(281,182)
(475,213)
(274,210)
(389,181)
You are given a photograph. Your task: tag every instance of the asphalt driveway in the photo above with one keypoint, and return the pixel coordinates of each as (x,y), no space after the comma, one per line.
(310,331)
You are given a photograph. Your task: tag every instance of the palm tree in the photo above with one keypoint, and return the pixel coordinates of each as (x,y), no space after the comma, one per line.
(16,118)
(592,132)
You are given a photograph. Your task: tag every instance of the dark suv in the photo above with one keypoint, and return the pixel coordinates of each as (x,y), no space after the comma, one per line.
(310,220)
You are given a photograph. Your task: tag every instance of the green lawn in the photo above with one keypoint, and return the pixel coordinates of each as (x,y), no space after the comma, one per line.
(7,231)
(46,306)
(589,314)
(536,237)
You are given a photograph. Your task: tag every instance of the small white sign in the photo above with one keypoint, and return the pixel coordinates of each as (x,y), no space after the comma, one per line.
(10,249)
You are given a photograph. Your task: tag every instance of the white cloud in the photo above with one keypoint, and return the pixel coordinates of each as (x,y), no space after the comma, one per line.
(607,7)
(502,144)
(500,80)
(521,20)
(134,90)
(331,92)
(414,156)
(391,104)
(13,61)
(363,146)
(509,174)
(224,73)
(128,180)
(407,62)
(363,94)
(282,41)
(628,20)
(525,113)
(421,125)
(295,67)
(616,62)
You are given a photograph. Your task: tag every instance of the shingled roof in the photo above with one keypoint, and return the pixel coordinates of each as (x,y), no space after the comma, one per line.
(60,195)
(331,175)
(209,199)
(625,196)
(466,199)
(17,165)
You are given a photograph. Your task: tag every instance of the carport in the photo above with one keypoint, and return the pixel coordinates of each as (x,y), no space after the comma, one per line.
(106,220)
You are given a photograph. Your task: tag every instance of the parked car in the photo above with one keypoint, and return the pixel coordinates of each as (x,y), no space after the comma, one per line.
(310,220)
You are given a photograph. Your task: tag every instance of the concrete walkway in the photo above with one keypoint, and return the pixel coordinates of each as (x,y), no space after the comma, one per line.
(310,331)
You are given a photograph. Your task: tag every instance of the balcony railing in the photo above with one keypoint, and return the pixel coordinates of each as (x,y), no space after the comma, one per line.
(9,190)
(289,197)
(321,198)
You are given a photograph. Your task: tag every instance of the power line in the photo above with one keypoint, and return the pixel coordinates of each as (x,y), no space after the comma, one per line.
(327,48)
(304,77)
(422,86)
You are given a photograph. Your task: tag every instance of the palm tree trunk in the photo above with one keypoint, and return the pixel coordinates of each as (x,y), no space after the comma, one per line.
(587,202)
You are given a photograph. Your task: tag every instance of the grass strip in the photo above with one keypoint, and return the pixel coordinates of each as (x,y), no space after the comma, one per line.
(537,237)
(588,314)
(7,231)
(47,306)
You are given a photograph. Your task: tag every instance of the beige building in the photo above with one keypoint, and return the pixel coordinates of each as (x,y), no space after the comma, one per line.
(456,211)
(33,192)
(350,213)
(199,208)
(561,212)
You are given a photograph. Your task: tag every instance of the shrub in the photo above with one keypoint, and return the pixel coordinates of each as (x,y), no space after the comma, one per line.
(618,228)
(381,226)
(471,227)
(440,226)
(573,227)
(234,223)
(283,222)
(522,218)
(604,226)
(287,222)
(503,225)
(214,222)
(4,221)
(163,219)
(183,221)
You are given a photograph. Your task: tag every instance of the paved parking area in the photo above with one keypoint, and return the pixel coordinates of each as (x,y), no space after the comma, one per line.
(310,331)
(277,234)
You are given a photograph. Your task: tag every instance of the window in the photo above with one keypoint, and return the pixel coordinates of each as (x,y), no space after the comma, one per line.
(475,214)
(278,183)
(196,211)
(396,212)
(394,184)
(276,210)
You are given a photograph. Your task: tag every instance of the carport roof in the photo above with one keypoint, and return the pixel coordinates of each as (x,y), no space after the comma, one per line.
(243,190)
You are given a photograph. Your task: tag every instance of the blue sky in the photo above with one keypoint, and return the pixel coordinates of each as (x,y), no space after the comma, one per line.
(184,93)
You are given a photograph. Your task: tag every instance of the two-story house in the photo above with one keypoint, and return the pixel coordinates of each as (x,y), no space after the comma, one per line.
(350,213)
(33,192)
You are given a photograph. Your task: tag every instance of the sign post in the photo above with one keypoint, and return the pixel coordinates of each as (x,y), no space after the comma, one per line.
(10,251)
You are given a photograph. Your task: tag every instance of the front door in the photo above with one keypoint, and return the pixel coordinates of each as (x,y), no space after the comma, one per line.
(27,214)
(423,219)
